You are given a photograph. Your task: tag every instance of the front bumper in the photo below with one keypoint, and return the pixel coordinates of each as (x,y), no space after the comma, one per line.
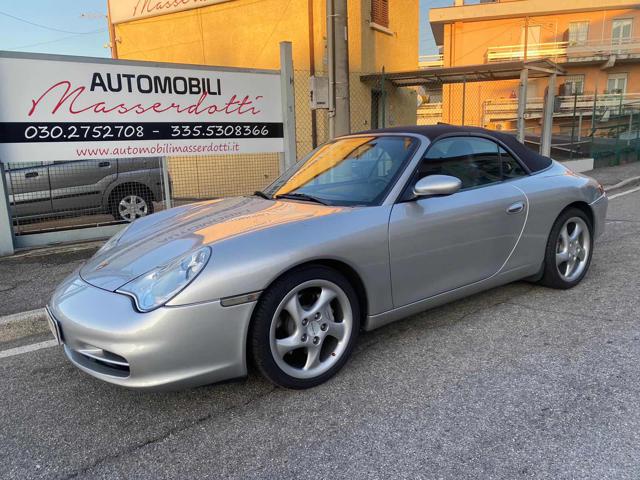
(168,348)
(599,209)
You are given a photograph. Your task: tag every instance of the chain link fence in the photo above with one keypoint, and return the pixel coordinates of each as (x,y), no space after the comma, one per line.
(602,126)
(53,196)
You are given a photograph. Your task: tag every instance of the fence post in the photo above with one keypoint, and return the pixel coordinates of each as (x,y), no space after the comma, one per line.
(464,97)
(165,181)
(547,121)
(6,227)
(522,103)
(288,106)
(573,123)
(383,99)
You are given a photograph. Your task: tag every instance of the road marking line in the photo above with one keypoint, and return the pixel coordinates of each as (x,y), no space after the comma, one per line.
(623,183)
(624,193)
(37,314)
(28,348)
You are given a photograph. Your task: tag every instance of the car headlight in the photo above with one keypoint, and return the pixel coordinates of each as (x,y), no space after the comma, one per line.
(112,242)
(157,287)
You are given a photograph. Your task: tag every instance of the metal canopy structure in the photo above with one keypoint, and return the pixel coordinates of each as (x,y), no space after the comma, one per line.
(487,72)
(540,68)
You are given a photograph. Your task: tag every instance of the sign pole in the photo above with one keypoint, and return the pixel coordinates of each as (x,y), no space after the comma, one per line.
(547,120)
(522,103)
(288,105)
(6,227)
(166,184)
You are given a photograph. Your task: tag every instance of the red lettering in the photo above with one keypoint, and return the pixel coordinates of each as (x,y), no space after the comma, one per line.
(62,94)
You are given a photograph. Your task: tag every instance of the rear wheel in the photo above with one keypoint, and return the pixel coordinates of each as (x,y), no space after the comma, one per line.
(569,250)
(305,327)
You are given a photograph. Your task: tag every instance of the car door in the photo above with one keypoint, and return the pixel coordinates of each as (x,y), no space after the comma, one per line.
(28,189)
(438,244)
(80,184)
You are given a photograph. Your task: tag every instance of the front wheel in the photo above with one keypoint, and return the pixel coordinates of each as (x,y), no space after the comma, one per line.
(569,250)
(305,327)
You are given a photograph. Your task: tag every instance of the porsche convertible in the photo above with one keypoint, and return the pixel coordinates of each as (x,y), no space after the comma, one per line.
(367,229)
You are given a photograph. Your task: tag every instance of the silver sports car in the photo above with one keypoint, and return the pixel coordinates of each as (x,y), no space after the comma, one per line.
(366,230)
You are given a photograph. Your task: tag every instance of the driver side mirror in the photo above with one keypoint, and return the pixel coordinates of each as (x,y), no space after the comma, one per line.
(436,185)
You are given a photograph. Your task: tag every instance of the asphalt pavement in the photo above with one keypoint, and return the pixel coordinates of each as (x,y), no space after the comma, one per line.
(517,382)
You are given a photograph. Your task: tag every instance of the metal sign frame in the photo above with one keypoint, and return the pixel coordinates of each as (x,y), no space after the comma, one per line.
(9,242)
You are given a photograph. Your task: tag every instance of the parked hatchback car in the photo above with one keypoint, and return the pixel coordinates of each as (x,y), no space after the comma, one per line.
(366,230)
(124,188)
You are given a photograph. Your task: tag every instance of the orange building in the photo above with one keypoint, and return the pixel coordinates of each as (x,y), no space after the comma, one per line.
(597,43)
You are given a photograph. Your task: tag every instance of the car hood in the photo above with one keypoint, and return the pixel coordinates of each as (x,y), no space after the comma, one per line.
(158,239)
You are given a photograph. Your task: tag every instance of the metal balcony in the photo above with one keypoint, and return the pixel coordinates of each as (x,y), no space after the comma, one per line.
(566,52)
(505,53)
(566,106)
(602,50)
(430,113)
(431,61)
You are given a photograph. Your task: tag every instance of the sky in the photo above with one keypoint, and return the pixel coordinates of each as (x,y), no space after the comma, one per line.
(79,27)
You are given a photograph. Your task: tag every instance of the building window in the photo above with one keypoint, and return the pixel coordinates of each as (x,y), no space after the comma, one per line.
(578,33)
(574,85)
(621,31)
(380,12)
(617,83)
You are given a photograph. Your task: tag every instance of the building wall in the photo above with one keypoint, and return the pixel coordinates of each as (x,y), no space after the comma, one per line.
(467,41)
(247,34)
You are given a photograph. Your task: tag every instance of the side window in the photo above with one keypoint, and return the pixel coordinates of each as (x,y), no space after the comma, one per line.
(475,161)
(510,166)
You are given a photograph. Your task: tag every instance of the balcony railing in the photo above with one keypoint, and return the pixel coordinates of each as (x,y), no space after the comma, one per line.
(565,106)
(430,113)
(602,49)
(431,61)
(507,53)
(605,106)
(566,51)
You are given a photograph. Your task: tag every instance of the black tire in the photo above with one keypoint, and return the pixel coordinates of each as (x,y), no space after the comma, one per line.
(552,277)
(121,194)
(259,340)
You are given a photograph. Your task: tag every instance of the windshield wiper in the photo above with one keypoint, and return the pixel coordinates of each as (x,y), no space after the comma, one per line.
(261,194)
(302,196)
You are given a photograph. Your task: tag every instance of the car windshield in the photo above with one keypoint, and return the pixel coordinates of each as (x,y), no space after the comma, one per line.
(348,171)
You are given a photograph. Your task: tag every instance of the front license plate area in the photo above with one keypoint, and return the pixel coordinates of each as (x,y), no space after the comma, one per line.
(54,326)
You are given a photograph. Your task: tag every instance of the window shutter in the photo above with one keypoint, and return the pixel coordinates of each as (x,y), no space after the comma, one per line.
(380,12)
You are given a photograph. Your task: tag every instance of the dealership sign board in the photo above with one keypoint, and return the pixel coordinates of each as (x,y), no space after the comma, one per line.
(127,10)
(66,108)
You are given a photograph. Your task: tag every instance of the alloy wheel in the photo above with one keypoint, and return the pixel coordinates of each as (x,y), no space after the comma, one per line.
(573,248)
(311,328)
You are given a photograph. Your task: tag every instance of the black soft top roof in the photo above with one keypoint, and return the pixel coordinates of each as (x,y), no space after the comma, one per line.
(533,160)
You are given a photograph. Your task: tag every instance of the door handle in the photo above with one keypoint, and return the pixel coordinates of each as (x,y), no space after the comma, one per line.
(30,174)
(104,164)
(515,208)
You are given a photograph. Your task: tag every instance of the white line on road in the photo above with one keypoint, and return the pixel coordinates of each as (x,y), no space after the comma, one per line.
(37,314)
(27,348)
(624,193)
